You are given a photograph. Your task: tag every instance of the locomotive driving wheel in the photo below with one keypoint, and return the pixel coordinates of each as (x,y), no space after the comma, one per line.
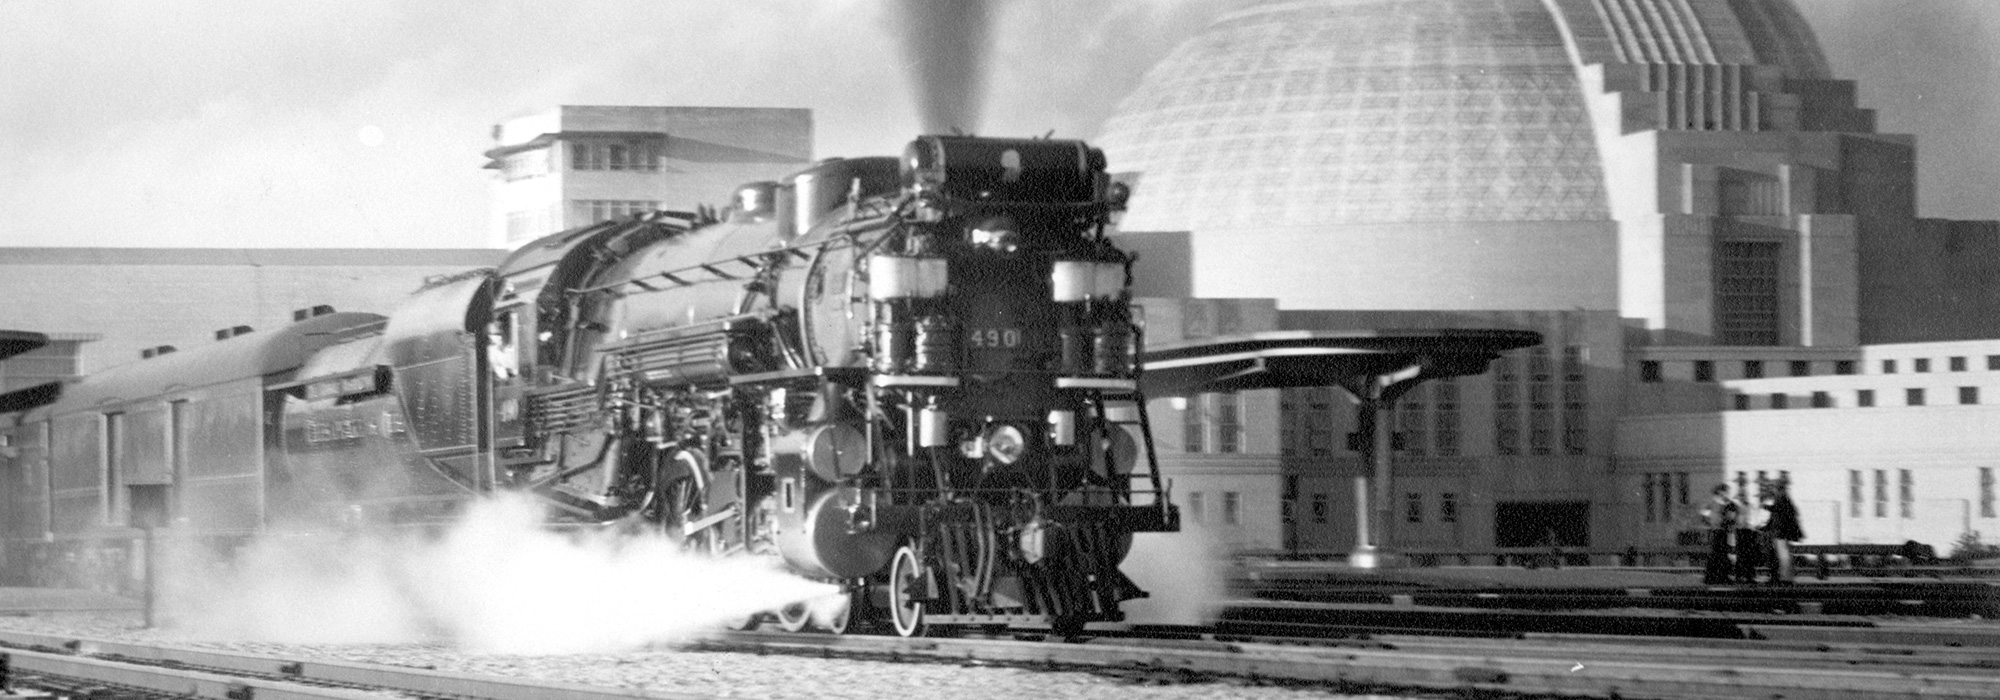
(906,591)
(680,490)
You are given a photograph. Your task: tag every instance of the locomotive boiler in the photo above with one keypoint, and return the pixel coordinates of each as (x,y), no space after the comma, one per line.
(914,377)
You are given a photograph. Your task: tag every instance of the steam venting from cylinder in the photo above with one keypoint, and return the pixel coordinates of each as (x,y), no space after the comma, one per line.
(944,51)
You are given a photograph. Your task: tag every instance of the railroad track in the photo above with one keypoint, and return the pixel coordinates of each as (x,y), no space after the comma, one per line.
(1928,599)
(1569,665)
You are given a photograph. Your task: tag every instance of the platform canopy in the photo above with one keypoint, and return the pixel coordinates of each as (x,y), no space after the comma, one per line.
(1281,359)
(16,342)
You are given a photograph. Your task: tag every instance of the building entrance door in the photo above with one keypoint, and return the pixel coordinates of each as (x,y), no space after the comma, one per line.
(1545,524)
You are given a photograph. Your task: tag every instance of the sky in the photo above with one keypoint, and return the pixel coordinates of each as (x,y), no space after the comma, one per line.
(360,123)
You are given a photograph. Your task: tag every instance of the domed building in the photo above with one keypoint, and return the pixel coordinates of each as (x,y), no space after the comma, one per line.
(1678,194)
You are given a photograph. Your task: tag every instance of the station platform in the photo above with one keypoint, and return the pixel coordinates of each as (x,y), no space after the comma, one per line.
(38,600)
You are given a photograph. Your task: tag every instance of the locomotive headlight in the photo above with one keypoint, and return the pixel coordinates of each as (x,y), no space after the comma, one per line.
(1005,444)
(998,233)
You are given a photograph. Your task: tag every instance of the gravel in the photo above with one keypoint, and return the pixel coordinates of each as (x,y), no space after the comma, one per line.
(720,674)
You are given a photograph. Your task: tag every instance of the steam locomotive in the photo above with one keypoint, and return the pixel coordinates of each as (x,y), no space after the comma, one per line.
(914,377)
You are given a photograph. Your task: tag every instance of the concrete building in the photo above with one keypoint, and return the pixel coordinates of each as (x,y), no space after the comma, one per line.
(1901,442)
(1655,185)
(575,165)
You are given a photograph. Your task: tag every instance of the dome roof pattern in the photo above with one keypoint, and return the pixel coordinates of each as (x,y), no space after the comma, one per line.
(1355,112)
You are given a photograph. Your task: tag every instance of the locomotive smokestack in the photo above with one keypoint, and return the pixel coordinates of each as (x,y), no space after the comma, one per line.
(944,49)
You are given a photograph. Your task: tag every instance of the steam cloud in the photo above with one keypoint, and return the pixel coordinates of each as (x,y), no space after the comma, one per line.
(944,48)
(1183,573)
(496,583)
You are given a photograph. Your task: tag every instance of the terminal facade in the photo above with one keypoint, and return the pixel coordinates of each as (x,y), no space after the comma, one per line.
(1682,197)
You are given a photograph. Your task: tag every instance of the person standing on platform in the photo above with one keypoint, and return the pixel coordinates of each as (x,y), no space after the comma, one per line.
(1720,514)
(1749,545)
(1782,527)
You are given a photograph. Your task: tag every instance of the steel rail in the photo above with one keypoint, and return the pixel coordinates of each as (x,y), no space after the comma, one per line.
(1492,670)
(197,671)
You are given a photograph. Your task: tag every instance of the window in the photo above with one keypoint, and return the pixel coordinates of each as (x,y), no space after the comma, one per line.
(1742,401)
(1228,423)
(1445,418)
(1888,366)
(1993,361)
(1780,400)
(1913,397)
(1319,508)
(1651,515)
(1906,493)
(1291,487)
(1881,493)
(1507,433)
(1843,367)
(1193,428)
(1986,492)
(1413,507)
(1864,398)
(114,453)
(1704,370)
(1854,493)
(596,210)
(1968,395)
(526,164)
(1649,372)
(1821,399)
(1541,433)
(1753,369)
(1957,364)
(1923,364)
(1746,292)
(1195,510)
(1232,508)
(1681,487)
(1801,368)
(1448,507)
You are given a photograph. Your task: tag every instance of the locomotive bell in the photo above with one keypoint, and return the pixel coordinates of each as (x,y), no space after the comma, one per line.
(757,201)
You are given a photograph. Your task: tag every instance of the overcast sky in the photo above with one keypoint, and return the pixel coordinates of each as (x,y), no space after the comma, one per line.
(361,122)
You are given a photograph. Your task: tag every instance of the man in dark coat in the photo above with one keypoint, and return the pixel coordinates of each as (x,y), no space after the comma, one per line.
(1782,528)
(1721,514)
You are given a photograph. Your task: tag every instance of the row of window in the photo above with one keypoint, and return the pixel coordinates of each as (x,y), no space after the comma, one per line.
(1213,420)
(639,156)
(1425,422)
(1653,371)
(1414,510)
(1666,495)
(1860,497)
(596,210)
(1863,398)
(1196,508)
(1541,386)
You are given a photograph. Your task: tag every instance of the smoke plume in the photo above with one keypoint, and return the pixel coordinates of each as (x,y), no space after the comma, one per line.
(944,49)
(498,582)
